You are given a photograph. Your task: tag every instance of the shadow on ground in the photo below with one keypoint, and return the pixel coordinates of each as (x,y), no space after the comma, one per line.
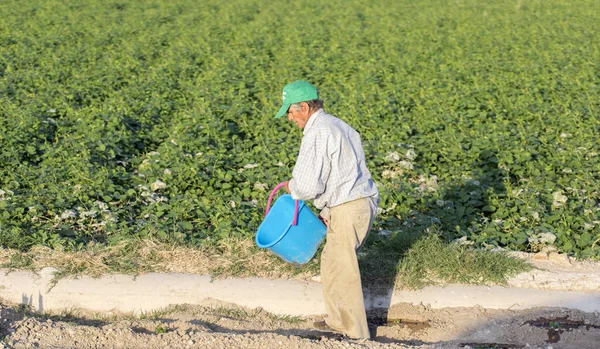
(446,211)
(11,314)
(406,325)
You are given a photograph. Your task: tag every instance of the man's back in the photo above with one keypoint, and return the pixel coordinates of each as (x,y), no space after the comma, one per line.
(332,151)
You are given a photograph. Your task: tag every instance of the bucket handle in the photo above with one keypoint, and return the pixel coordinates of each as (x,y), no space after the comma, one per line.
(279,186)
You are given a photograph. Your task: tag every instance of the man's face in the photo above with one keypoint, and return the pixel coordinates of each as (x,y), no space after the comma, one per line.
(299,116)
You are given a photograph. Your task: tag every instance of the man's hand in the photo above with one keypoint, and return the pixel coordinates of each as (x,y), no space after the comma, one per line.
(323,220)
(287,187)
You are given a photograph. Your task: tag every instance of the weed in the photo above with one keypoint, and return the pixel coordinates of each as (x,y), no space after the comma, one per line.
(159,330)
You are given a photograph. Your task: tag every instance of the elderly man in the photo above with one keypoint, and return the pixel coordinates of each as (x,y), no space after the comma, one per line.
(331,170)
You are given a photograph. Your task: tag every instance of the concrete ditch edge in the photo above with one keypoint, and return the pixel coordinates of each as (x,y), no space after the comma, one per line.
(155,291)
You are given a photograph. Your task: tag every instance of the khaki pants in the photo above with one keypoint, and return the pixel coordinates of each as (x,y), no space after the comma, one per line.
(347,229)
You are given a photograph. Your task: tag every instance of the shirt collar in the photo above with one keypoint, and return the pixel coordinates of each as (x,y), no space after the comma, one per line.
(312,119)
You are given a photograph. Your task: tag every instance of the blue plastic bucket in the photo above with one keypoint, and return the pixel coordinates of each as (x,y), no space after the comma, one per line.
(294,243)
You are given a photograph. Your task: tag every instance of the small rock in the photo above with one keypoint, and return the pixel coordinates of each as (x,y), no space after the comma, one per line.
(540,256)
(559,258)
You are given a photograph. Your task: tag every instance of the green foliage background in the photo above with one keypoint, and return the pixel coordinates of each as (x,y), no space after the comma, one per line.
(499,100)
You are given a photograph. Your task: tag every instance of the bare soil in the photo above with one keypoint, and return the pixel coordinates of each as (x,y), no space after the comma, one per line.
(220,325)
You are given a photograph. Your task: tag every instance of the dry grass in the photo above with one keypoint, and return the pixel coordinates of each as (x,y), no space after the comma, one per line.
(402,262)
(239,258)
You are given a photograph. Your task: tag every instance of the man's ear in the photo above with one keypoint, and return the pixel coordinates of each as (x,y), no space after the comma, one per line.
(305,107)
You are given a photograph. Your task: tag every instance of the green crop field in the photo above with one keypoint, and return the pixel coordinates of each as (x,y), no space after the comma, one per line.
(154,119)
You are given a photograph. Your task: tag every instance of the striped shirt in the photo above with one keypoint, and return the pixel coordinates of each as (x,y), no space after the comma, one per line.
(331,165)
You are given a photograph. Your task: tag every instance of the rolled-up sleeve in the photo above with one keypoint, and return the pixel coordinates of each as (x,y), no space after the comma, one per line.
(312,168)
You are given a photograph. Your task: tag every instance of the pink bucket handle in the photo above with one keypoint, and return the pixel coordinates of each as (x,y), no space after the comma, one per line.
(279,186)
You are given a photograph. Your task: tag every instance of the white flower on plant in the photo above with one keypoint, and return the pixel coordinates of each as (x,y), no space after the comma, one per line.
(84,214)
(152,198)
(392,157)
(564,135)
(407,165)
(280,164)
(429,184)
(440,203)
(385,232)
(248,166)
(157,185)
(411,154)
(167,172)
(5,195)
(535,215)
(542,238)
(50,121)
(392,174)
(232,203)
(153,153)
(173,142)
(68,214)
(254,202)
(559,199)
(101,205)
(110,217)
(463,241)
(199,154)
(261,186)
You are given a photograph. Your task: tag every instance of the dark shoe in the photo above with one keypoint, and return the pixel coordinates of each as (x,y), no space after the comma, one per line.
(323,327)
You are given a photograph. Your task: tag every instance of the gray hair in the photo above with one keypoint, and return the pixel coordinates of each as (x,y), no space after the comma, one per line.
(313,105)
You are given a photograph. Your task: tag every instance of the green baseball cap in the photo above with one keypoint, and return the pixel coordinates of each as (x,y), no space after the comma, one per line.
(296,92)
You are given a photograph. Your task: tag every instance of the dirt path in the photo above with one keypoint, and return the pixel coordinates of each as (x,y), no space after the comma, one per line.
(221,325)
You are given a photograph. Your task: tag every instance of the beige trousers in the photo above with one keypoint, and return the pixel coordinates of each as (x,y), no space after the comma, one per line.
(347,229)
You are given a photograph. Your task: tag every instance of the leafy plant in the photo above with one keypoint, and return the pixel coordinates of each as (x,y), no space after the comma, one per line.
(154,119)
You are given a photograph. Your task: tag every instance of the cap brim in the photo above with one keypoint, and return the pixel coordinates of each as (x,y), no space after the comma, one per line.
(284,108)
